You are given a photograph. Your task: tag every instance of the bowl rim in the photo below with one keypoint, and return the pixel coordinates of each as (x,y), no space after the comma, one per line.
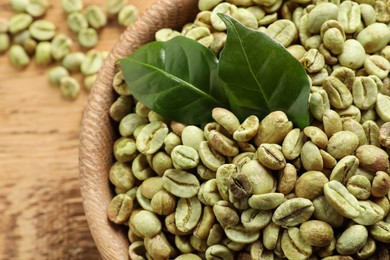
(97,133)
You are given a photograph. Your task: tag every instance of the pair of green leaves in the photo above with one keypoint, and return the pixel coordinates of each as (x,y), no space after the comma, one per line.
(183,80)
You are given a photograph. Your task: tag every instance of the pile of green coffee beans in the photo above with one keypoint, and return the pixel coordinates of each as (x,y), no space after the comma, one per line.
(28,36)
(262,189)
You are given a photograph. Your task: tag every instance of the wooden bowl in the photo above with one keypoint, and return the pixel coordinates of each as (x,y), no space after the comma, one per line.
(97,131)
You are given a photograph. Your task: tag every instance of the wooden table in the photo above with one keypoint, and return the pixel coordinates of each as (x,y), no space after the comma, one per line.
(41,212)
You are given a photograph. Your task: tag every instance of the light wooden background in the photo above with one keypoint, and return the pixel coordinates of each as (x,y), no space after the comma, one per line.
(41,213)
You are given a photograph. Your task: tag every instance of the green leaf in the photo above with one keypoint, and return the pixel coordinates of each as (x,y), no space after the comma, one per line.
(178,79)
(262,76)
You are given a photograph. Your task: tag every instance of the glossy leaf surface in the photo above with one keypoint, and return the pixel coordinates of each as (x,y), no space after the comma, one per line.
(262,76)
(178,79)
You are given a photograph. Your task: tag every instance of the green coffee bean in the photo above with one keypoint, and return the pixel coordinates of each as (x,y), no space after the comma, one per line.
(120,209)
(165,34)
(89,81)
(210,157)
(339,95)
(180,183)
(382,107)
(293,212)
(69,87)
(310,184)
(239,186)
(287,178)
(324,211)
(266,201)
(313,61)
(374,37)
(353,54)
(127,15)
(370,213)
(145,203)
(311,157)
(18,56)
(188,213)
(161,162)
(377,65)
(328,160)
(352,240)
(340,198)
(95,16)
(349,16)
(240,234)
(56,74)
(43,53)
(316,233)
(356,128)
(141,168)
(19,22)
(225,213)
(333,38)
(368,249)
(30,46)
(283,31)
(271,156)
(384,135)
(146,223)
(317,136)
(192,136)
(359,186)
(73,61)
(121,88)
(129,123)
(18,5)
(342,143)
(380,231)
(351,112)
(225,8)
(380,184)
(91,63)
(247,130)
(87,37)
(72,5)
(273,128)
(21,37)
(319,101)
(151,137)
(114,6)
(223,144)
(294,245)
(4,42)
(37,8)
(293,143)
(121,176)
(77,21)
(345,169)
(208,193)
(125,149)
(255,219)
(207,4)
(332,123)
(226,119)
(245,17)
(260,178)
(184,157)
(372,158)
(42,30)
(218,252)
(61,45)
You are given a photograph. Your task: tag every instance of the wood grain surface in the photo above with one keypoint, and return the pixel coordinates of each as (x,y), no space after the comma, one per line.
(41,212)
